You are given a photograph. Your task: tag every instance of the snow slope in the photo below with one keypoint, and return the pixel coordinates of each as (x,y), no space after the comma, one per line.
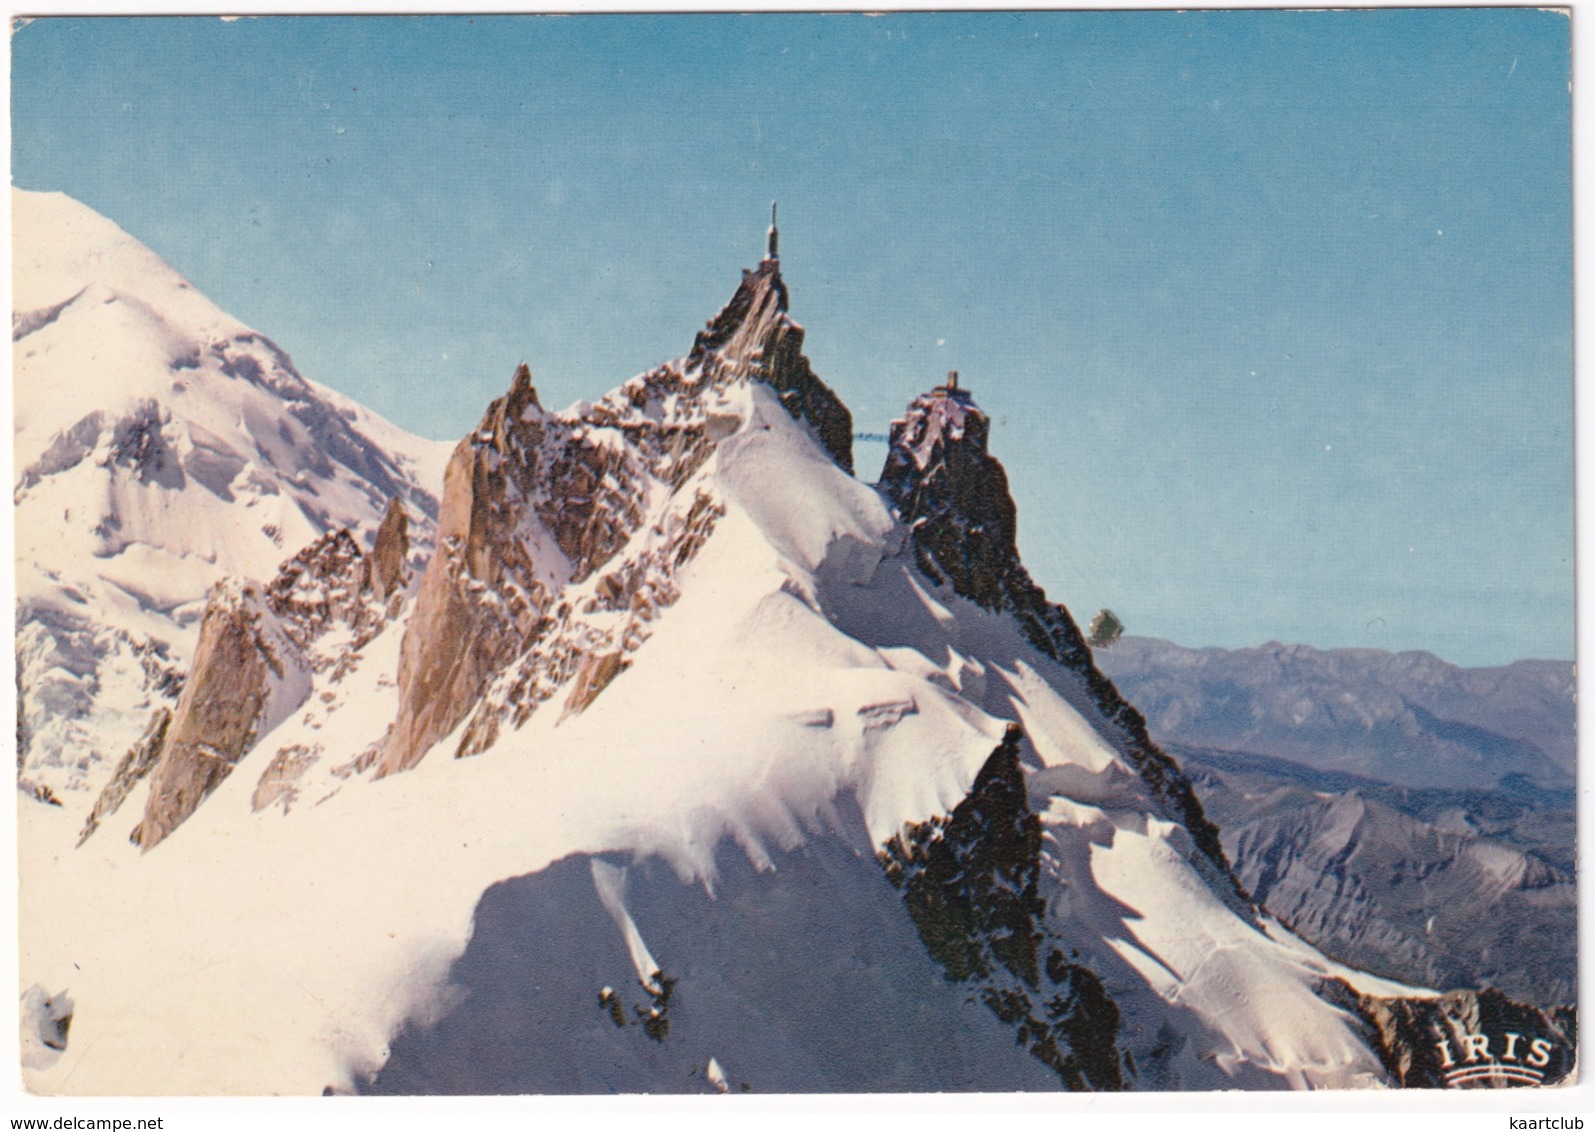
(740,779)
(807,671)
(160,444)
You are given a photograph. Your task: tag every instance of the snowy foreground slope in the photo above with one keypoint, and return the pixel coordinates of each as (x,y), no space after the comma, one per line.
(689,761)
(159,446)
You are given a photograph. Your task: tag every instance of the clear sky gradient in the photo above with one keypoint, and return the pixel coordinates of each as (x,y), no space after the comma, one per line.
(1272,310)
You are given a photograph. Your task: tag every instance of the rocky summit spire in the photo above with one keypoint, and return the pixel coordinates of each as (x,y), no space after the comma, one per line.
(487,640)
(753,337)
(774,236)
(953,495)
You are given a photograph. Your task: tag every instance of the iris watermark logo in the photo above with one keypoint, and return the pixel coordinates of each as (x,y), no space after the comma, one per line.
(1498,1060)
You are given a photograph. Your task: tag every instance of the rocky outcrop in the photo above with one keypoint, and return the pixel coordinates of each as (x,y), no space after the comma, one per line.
(954,497)
(1465,1039)
(258,650)
(588,639)
(239,662)
(279,782)
(483,586)
(754,336)
(323,586)
(384,572)
(552,524)
(971,882)
(130,771)
(594,675)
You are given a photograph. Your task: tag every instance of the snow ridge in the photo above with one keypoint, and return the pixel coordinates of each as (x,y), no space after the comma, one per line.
(761,758)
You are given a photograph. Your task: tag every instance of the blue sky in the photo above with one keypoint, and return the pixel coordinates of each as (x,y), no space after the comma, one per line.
(1272,310)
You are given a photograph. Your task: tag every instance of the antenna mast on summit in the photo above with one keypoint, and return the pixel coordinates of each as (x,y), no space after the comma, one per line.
(774,235)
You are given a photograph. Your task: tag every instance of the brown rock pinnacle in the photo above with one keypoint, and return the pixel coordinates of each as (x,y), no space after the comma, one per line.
(754,336)
(536,502)
(218,715)
(384,570)
(454,638)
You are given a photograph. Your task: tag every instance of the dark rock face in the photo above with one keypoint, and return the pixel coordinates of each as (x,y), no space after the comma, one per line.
(534,502)
(954,494)
(754,330)
(1465,1039)
(971,884)
(954,497)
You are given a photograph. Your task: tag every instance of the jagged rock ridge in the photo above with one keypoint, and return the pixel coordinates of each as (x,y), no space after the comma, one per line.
(757,679)
(537,505)
(161,445)
(258,653)
(954,496)
(754,328)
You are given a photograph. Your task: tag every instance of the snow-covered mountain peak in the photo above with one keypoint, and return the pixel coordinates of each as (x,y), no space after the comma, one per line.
(64,252)
(131,387)
(560,533)
(159,444)
(753,336)
(684,748)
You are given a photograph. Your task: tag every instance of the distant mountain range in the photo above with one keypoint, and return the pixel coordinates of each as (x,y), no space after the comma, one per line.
(1406,815)
(1407,717)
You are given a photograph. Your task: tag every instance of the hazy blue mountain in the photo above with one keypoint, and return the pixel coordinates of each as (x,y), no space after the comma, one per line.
(1405,717)
(1406,815)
